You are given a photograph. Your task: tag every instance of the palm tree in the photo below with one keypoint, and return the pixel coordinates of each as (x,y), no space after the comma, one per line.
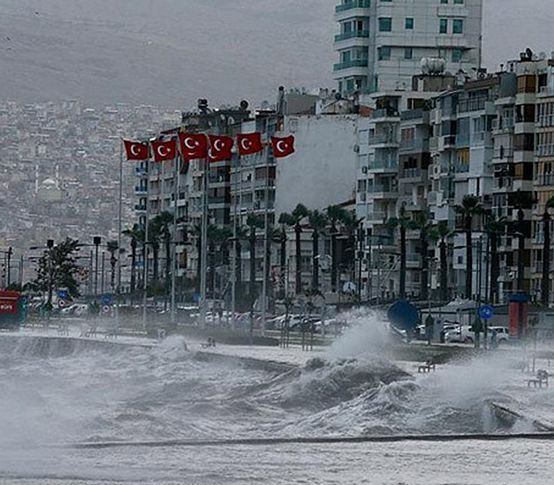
(136,236)
(442,233)
(279,236)
(470,208)
(241,235)
(112,247)
(545,282)
(294,219)
(494,228)
(335,215)
(161,226)
(318,222)
(253,223)
(218,237)
(422,223)
(402,222)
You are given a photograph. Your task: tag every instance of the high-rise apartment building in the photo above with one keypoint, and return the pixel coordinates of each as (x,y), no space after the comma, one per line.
(381,43)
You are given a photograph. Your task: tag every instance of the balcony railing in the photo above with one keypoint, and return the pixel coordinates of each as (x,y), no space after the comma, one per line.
(348,64)
(350,4)
(140,190)
(545,179)
(383,139)
(410,173)
(354,34)
(383,165)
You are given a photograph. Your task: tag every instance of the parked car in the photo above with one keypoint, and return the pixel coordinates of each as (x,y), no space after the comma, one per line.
(467,336)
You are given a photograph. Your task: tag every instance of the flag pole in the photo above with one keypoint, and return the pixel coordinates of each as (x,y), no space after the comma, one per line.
(145,255)
(234,258)
(119,231)
(175,215)
(266,245)
(204,248)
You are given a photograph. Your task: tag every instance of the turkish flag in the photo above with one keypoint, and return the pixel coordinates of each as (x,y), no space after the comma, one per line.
(220,148)
(136,150)
(164,150)
(193,146)
(282,147)
(250,143)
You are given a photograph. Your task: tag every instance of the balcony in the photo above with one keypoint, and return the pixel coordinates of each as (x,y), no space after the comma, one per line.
(545,180)
(383,139)
(140,207)
(410,173)
(141,171)
(383,165)
(545,150)
(379,191)
(350,64)
(140,190)
(385,114)
(377,217)
(350,4)
(355,34)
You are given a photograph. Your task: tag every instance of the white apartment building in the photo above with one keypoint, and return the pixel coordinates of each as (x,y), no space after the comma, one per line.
(380,43)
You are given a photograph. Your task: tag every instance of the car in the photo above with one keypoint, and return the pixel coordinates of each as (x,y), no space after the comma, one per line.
(467,336)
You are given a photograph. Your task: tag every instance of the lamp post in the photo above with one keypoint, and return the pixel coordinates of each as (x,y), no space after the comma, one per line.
(97,240)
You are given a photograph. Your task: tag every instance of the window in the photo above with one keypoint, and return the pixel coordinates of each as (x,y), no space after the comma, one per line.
(443,26)
(458,26)
(385,24)
(444,1)
(384,53)
(409,23)
(457,55)
(408,53)
(458,2)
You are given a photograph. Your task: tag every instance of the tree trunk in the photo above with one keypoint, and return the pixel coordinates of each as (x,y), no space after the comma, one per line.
(333,259)
(545,283)
(211,269)
(298,243)
(425,276)
(521,252)
(167,264)
(199,265)
(155,258)
(469,258)
(315,259)
(252,242)
(133,266)
(238,263)
(444,270)
(402,262)
(495,268)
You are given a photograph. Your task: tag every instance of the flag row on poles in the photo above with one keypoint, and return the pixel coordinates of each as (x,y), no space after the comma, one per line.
(212,148)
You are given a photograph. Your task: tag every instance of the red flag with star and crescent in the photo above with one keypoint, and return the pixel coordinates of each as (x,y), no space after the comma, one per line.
(193,146)
(282,147)
(249,143)
(164,150)
(220,148)
(136,150)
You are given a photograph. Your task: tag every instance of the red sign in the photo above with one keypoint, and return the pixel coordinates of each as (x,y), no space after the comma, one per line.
(8,307)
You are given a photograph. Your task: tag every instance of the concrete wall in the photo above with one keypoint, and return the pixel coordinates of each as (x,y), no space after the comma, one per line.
(322,172)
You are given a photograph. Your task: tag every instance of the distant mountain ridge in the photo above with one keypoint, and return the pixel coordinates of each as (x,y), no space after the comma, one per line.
(170,52)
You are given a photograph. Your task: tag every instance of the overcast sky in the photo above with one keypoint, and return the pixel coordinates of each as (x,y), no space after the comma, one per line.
(170,52)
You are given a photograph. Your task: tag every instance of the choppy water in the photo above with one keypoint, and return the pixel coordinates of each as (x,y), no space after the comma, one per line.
(56,392)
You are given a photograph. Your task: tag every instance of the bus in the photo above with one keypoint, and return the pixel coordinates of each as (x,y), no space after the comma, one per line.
(13,310)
